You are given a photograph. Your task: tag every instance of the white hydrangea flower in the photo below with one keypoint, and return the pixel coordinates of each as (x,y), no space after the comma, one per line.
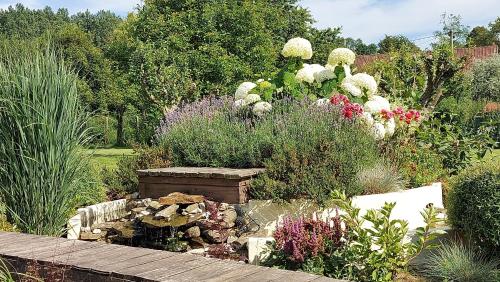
(251,98)
(323,75)
(348,84)
(347,71)
(341,56)
(390,127)
(260,80)
(377,104)
(307,72)
(365,82)
(298,47)
(260,108)
(378,130)
(239,103)
(243,90)
(368,118)
(322,102)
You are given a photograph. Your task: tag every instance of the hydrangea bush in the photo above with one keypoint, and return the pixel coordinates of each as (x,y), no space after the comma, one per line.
(331,84)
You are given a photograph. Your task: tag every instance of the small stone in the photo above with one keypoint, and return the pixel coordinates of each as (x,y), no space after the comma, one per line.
(167,212)
(154,205)
(239,243)
(197,251)
(215,236)
(184,213)
(96,231)
(180,198)
(202,207)
(192,232)
(89,236)
(197,243)
(223,206)
(143,213)
(193,208)
(231,239)
(229,216)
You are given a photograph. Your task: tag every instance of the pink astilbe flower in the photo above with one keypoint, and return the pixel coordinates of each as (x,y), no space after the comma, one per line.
(305,238)
(352,110)
(339,100)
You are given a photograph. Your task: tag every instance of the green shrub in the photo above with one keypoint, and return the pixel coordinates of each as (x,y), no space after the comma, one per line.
(123,179)
(41,136)
(455,262)
(307,151)
(486,79)
(418,165)
(474,204)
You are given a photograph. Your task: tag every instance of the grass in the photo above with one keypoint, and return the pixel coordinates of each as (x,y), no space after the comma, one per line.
(108,158)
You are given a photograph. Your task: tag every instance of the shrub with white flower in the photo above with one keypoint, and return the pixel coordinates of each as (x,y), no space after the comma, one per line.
(243,90)
(341,56)
(260,108)
(298,47)
(327,84)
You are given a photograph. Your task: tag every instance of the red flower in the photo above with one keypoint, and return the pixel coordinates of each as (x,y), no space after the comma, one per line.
(339,99)
(350,110)
(387,115)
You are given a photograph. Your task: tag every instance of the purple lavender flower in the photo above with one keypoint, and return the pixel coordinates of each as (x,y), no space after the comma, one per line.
(205,107)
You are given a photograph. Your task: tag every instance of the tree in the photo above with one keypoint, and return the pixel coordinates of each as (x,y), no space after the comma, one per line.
(480,36)
(453,32)
(191,48)
(323,41)
(21,22)
(396,42)
(100,25)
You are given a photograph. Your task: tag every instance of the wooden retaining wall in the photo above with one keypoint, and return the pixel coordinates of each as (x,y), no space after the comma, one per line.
(220,184)
(72,260)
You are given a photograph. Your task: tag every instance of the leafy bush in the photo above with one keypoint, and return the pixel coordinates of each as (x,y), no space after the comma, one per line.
(381,178)
(473,204)
(41,136)
(486,79)
(418,165)
(455,262)
(124,179)
(307,151)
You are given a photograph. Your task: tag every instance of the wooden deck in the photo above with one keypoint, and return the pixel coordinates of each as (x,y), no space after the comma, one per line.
(91,261)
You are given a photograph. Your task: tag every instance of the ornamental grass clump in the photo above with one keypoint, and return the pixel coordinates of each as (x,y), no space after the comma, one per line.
(42,130)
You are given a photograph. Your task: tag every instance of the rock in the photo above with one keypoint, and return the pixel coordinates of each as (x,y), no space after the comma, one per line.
(131,204)
(215,236)
(197,243)
(192,232)
(89,236)
(223,206)
(125,230)
(202,207)
(137,210)
(167,212)
(193,209)
(143,213)
(96,231)
(231,239)
(105,226)
(229,216)
(197,251)
(154,205)
(180,198)
(239,243)
(176,220)
(132,196)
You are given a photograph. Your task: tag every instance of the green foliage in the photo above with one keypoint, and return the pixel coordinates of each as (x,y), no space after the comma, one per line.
(99,25)
(459,146)
(486,79)
(480,36)
(452,31)
(395,43)
(358,261)
(123,179)
(456,262)
(41,134)
(418,165)
(192,48)
(307,151)
(473,204)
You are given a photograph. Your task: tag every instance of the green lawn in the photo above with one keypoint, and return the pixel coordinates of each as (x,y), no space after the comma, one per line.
(108,158)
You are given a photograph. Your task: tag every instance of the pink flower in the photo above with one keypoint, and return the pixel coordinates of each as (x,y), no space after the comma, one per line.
(339,99)
(352,109)
(387,115)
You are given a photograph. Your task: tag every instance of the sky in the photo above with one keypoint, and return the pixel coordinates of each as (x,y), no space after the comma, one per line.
(369,20)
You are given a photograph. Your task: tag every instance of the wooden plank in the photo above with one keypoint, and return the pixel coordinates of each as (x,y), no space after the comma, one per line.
(236,275)
(51,254)
(185,265)
(25,244)
(208,271)
(143,269)
(220,194)
(194,181)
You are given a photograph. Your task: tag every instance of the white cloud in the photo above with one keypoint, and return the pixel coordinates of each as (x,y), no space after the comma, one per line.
(370,20)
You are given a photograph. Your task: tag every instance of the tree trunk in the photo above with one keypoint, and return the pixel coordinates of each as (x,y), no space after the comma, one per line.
(119,128)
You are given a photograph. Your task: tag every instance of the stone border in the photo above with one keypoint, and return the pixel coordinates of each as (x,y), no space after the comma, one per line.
(94,214)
